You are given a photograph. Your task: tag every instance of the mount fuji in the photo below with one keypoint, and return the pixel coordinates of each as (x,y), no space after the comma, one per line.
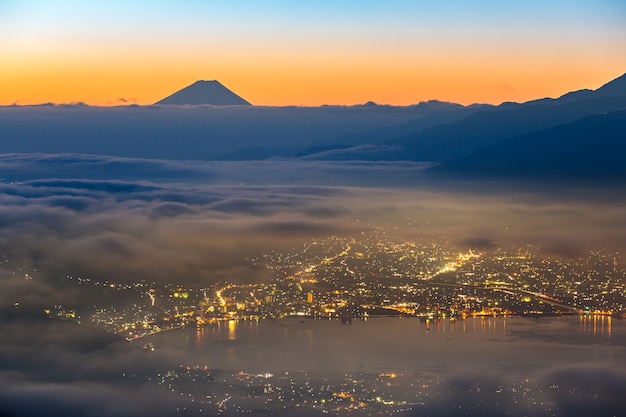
(205,92)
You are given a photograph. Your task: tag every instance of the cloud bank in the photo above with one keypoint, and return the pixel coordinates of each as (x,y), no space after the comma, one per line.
(197,223)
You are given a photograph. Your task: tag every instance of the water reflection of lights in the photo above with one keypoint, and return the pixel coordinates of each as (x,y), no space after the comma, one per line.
(232,327)
(596,324)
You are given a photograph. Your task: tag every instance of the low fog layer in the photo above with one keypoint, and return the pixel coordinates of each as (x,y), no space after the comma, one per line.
(95,217)
(196,223)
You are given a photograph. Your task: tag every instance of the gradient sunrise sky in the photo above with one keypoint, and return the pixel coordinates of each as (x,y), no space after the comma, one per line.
(308,52)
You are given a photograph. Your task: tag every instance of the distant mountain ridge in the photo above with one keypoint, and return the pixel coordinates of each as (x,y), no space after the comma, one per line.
(486,125)
(590,148)
(432,132)
(444,131)
(614,88)
(201,92)
(485,128)
(425,115)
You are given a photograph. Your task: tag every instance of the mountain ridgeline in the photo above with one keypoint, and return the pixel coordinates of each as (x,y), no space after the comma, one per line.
(211,93)
(485,126)
(588,149)
(578,135)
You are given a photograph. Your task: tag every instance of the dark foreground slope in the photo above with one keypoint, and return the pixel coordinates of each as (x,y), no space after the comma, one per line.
(592,148)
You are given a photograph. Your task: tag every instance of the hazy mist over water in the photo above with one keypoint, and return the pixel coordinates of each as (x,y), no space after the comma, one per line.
(504,345)
(481,366)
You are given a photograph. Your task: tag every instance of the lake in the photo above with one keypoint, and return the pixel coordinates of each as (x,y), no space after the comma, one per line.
(509,345)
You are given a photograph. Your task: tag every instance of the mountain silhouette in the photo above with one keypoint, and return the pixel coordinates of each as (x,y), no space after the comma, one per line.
(614,88)
(231,129)
(444,135)
(490,126)
(205,92)
(426,114)
(479,130)
(590,148)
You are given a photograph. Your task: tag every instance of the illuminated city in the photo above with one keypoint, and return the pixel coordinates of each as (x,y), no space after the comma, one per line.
(373,275)
(356,281)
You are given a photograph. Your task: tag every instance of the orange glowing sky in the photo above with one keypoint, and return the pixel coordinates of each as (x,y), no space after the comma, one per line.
(281,53)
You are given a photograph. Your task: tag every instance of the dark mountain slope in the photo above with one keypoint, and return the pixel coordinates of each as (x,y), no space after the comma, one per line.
(486,128)
(591,148)
(428,114)
(439,137)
